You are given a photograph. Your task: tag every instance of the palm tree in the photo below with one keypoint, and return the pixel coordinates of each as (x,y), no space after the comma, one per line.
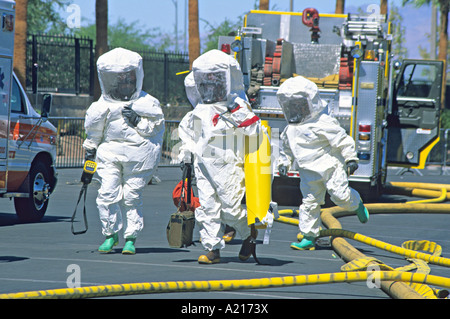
(194,37)
(20,41)
(263,4)
(444,6)
(340,5)
(384,7)
(101,39)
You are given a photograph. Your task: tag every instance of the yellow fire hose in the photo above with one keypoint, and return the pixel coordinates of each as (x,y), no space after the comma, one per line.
(391,282)
(337,232)
(348,252)
(437,192)
(223,285)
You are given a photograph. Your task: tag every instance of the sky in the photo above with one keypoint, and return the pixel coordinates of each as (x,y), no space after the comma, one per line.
(162,14)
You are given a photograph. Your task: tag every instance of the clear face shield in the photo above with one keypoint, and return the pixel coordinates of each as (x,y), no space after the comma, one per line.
(297,110)
(212,86)
(119,86)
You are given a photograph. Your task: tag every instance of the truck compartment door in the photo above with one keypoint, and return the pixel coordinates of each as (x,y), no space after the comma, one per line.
(413,124)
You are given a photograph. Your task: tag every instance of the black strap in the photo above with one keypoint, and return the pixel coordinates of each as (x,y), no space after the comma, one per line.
(186,174)
(83,190)
(254,234)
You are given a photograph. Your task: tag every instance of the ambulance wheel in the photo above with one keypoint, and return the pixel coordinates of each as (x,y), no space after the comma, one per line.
(33,208)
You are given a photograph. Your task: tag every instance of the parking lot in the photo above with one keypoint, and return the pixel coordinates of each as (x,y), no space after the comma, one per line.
(46,255)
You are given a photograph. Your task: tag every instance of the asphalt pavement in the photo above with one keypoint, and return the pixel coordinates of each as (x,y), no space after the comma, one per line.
(46,255)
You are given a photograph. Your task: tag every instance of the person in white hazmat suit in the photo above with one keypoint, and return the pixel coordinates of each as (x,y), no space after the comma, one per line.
(124,130)
(194,98)
(324,153)
(213,132)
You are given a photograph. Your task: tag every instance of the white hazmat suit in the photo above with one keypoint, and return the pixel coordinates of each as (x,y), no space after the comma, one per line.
(321,149)
(214,133)
(126,127)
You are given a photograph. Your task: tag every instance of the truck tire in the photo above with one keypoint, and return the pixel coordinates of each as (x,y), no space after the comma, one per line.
(33,208)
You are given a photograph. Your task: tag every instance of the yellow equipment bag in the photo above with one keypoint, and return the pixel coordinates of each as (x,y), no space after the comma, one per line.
(181,224)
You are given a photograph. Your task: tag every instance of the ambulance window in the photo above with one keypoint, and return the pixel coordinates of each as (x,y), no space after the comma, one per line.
(17,101)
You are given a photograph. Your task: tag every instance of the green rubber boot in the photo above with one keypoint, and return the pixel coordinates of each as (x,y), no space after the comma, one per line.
(109,243)
(129,248)
(307,243)
(362,213)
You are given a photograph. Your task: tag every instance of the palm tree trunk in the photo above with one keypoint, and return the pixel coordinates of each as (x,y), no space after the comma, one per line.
(340,5)
(443,25)
(20,41)
(384,7)
(444,6)
(263,4)
(194,37)
(101,40)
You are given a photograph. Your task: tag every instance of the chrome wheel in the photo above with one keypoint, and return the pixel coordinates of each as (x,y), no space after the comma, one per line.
(40,191)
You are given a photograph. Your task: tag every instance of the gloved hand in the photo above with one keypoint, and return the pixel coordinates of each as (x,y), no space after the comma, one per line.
(130,116)
(282,170)
(351,167)
(233,107)
(90,154)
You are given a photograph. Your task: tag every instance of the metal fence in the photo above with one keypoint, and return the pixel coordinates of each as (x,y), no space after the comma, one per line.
(160,75)
(65,63)
(71,135)
(60,63)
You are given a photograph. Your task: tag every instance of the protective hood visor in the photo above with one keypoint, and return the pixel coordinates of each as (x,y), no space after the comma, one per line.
(297,109)
(191,90)
(120,74)
(120,86)
(211,86)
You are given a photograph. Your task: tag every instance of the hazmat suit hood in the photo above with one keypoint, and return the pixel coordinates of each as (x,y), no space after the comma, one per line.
(191,90)
(218,77)
(120,74)
(299,99)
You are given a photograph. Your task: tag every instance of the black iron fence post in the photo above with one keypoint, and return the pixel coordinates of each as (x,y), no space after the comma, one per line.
(92,71)
(166,78)
(34,70)
(77,66)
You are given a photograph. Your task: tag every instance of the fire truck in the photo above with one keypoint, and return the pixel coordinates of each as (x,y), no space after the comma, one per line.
(27,139)
(390,108)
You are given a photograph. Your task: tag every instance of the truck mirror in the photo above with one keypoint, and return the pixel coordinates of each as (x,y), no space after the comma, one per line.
(46,104)
(236,46)
(397,65)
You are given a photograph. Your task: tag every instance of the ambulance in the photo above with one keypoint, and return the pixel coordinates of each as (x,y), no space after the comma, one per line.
(390,108)
(27,139)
